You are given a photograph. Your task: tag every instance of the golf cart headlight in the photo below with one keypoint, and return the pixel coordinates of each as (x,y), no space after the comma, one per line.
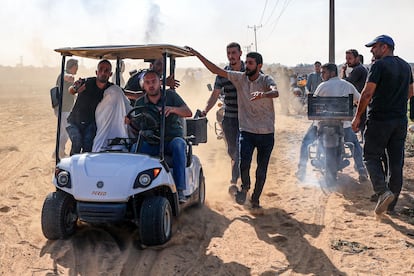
(63,178)
(145,178)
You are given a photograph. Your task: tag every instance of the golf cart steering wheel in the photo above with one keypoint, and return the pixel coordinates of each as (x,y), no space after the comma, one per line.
(144,119)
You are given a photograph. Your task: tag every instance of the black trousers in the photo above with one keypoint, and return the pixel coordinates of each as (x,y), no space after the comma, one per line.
(380,136)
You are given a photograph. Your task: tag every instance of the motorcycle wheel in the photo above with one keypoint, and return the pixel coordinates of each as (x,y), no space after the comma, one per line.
(331,165)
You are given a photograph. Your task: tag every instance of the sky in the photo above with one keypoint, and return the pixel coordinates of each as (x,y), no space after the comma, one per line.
(288,32)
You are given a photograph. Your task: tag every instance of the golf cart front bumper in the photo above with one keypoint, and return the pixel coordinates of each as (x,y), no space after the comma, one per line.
(101,212)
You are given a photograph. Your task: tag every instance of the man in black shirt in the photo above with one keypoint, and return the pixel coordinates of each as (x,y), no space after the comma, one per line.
(389,86)
(358,75)
(81,121)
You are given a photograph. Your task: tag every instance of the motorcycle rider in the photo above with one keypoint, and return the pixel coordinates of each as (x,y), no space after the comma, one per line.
(230,121)
(332,86)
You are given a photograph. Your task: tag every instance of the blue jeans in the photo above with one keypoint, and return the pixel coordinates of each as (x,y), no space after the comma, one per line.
(264,145)
(310,137)
(389,135)
(349,136)
(81,136)
(232,134)
(177,149)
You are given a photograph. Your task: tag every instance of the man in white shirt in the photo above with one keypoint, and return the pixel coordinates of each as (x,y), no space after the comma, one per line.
(333,86)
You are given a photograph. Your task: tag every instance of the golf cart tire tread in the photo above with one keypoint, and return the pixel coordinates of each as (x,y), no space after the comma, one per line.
(53,216)
(151,228)
(201,190)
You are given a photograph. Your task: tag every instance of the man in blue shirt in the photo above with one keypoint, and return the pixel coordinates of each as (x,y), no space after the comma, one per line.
(315,78)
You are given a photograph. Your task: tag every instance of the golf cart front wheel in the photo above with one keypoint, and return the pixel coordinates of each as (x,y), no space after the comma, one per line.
(59,216)
(155,221)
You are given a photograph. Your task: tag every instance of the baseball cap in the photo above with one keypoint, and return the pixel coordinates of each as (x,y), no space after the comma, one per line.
(383,39)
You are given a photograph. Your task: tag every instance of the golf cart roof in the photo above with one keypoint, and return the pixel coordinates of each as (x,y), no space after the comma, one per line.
(111,52)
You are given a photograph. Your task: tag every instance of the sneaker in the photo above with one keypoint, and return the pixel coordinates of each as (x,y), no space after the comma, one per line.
(300,174)
(241,197)
(363,178)
(233,190)
(363,175)
(392,213)
(255,204)
(374,198)
(181,197)
(384,200)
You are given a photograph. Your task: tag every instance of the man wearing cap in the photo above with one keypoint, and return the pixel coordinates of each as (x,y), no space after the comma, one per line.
(389,86)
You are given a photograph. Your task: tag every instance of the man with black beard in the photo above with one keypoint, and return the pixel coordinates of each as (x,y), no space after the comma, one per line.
(388,88)
(255,93)
(81,121)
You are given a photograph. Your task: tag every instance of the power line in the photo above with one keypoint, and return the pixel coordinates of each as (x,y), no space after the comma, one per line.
(286,4)
(273,11)
(264,9)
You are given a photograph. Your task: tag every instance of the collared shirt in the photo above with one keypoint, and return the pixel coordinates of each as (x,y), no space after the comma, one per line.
(335,87)
(230,93)
(314,79)
(173,122)
(393,76)
(254,116)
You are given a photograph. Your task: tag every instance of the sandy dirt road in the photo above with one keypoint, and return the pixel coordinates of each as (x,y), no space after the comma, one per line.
(302,230)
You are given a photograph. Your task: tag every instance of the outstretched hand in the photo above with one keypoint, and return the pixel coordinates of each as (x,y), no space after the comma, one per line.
(172,83)
(257,95)
(191,50)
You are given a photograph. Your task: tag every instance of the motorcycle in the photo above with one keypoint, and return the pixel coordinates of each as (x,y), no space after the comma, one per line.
(329,153)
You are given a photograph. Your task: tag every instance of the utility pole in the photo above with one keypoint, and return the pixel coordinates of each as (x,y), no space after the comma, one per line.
(254,27)
(332,31)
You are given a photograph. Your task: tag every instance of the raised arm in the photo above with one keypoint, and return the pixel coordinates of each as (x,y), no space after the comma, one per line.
(209,65)
(211,101)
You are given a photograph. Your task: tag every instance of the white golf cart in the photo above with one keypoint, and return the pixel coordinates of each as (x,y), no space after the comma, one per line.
(119,185)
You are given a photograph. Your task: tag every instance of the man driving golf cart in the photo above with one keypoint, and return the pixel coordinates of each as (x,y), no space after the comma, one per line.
(175,145)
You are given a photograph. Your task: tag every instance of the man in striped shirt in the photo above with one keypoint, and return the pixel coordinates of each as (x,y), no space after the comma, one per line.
(230,121)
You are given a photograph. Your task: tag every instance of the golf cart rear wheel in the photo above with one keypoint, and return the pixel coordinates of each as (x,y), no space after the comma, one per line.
(155,221)
(201,190)
(59,216)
